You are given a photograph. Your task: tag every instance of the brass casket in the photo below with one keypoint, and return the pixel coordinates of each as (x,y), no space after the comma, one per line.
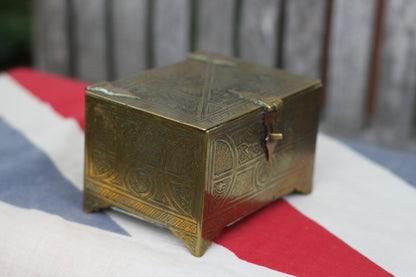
(197,145)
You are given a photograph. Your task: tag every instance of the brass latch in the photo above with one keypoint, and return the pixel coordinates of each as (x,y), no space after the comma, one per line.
(272,134)
(271,106)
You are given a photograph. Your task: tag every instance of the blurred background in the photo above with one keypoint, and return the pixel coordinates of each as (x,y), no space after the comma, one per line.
(363,51)
(15,33)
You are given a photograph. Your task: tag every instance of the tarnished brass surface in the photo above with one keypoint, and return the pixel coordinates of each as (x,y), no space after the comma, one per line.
(197,145)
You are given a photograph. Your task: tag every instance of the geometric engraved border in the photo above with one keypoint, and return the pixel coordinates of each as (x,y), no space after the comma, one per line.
(139,207)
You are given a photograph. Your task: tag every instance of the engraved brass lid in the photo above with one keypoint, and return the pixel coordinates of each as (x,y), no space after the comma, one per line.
(204,91)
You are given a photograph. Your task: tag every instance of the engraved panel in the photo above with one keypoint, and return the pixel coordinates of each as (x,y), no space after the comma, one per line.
(187,91)
(145,160)
(196,91)
(253,181)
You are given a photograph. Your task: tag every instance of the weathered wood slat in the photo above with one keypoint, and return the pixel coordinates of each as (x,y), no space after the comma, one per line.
(172,25)
(129,36)
(259,30)
(216,26)
(304,37)
(397,79)
(50,32)
(91,57)
(350,46)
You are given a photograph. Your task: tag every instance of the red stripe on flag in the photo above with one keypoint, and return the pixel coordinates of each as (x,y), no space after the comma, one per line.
(278,236)
(282,238)
(65,95)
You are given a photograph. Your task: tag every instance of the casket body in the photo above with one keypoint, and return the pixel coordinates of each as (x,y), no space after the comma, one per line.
(197,145)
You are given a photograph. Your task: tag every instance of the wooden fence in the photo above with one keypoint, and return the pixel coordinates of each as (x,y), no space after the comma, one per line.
(364,51)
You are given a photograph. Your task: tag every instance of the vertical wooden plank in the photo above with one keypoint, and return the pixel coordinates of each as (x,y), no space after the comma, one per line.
(50,36)
(304,37)
(325,54)
(172,29)
(216,26)
(91,57)
(129,36)
(348,68)
(259,30)
(397,79)
(375,57)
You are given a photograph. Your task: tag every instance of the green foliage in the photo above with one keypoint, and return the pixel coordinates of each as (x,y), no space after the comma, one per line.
(14,33)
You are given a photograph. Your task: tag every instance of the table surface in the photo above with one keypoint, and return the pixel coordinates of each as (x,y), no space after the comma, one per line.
(359,220)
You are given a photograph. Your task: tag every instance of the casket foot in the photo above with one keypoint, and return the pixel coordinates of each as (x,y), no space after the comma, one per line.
(304,188)
(93,203)
(196,245)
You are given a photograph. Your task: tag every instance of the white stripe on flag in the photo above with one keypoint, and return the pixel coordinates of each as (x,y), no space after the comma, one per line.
(40,244)
(365,205)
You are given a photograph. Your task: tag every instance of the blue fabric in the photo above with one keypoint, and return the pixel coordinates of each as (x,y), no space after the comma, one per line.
(401,164)
(29,179)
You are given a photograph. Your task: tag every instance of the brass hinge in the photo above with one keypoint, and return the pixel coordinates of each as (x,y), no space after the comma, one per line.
(108,89)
